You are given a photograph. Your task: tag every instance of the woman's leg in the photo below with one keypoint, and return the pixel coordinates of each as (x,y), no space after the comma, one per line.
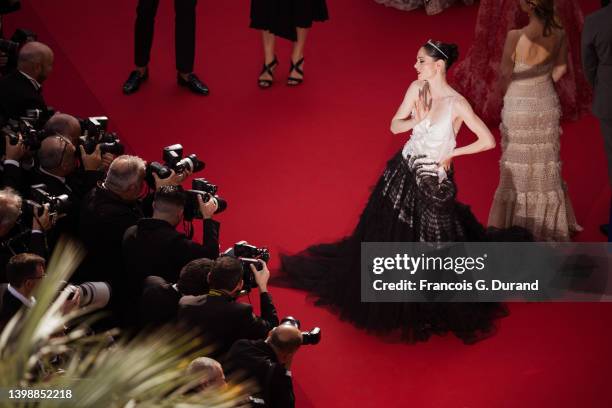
(298,53)
(268,41)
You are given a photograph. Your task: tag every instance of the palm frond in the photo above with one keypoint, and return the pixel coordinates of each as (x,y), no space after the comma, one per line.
(147,371)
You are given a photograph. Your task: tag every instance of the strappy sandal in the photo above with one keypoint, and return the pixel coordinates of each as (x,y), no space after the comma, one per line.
(267,83)
(293,81)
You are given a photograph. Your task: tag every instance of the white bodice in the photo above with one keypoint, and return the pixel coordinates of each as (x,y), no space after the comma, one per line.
(435,140)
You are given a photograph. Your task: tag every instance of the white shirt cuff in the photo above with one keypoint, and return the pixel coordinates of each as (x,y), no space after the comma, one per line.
(13,162)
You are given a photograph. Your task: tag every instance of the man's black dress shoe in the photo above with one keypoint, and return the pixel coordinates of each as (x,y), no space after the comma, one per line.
(193,83)
(604,229)
(134,80)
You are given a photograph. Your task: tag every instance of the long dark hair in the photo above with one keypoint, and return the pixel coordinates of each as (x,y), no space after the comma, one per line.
(545,11)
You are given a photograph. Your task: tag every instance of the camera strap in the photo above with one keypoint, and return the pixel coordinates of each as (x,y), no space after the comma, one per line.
(218,293)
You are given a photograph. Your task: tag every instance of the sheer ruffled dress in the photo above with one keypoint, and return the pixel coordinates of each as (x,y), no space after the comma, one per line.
(431,6)
(531,192)
(414,200)
(476,77)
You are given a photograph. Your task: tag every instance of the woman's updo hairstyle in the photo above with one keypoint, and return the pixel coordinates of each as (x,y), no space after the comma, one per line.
(442,51)
(545,12)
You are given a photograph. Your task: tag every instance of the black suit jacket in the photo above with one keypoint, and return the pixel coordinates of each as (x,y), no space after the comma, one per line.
(597,59)
(257,360)
(17,178)
(9,305)
(154,247)
(18,94)
(223,321)
(159,302)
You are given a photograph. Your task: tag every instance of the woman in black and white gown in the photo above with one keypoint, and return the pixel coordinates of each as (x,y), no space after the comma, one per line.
(414,200)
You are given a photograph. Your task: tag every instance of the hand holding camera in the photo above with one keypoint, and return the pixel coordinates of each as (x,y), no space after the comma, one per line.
(72,302)
(91,161)
(175,179)
(261,276)
(208,208)
(14,151)
(44,221)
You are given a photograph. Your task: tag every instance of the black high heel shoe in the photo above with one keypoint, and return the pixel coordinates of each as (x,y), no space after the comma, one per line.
(293,81)
(267,83)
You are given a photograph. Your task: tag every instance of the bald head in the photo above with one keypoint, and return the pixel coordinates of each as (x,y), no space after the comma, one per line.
(36,60)
(285,338)
(65,125)
(56,155)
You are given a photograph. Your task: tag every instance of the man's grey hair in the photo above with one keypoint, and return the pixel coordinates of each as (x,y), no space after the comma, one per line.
(208,368)
(10,207)
(124,171)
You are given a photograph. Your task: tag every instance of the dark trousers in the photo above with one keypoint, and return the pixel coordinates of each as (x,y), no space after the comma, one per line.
(606,131)
(184,33)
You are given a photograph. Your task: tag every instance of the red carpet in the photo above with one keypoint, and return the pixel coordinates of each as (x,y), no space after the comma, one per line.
(296,166)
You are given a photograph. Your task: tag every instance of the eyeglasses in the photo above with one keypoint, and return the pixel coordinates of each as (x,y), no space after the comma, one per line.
(66,143)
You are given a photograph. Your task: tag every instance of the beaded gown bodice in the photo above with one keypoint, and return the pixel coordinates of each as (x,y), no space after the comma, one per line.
(434,137)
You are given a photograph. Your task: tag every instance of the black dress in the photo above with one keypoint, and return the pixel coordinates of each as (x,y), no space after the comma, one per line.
(401,208)
(281,17)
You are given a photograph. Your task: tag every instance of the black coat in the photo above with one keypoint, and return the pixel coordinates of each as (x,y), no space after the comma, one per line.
(258,361)
(222,321)
(154,247)
(159,302)
(103,221)
(9,305)
(597,59)
(17,95)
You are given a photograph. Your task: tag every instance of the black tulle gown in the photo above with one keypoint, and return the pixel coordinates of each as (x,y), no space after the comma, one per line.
(401,208)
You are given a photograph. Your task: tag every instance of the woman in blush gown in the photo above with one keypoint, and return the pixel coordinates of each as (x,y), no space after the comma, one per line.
(431,6)
(414,200)
(531,192)
(476,77)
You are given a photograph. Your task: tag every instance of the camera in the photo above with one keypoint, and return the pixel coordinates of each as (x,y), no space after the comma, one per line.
(31,136)
(94,134)
(309,338)
(95,295)
(201,188)
(39,196)
(8,46)
(20,36)
(249,255)
(172,157)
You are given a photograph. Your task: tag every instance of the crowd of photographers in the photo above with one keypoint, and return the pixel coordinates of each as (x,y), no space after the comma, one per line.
(65,176)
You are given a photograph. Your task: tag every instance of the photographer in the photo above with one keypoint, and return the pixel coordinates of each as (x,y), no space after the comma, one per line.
(25,272)
(106,212)
(154,247)
(21,89)
(16,237)
(269,363)
(56,169)
(17,166)
(70,127)
(219,317)
(159,302)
